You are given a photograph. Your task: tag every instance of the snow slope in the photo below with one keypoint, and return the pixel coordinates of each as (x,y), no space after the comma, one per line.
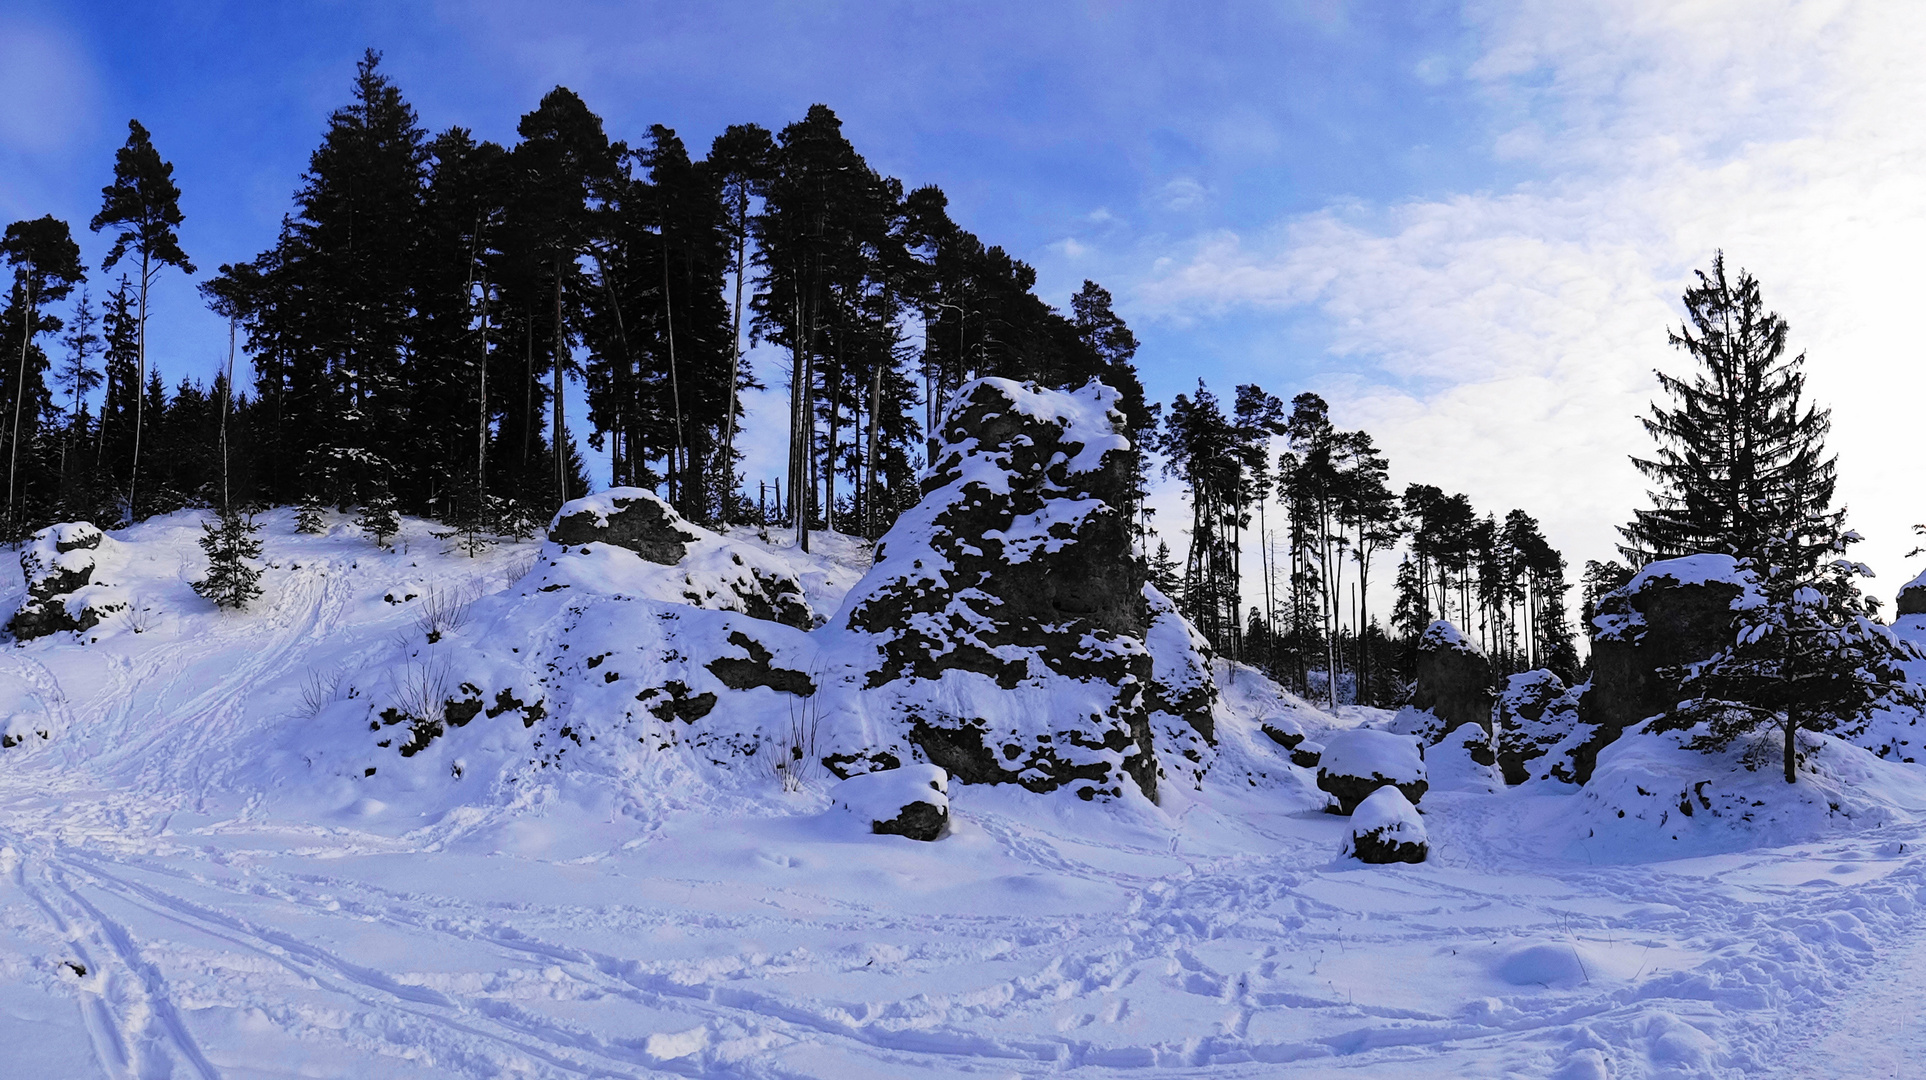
(183,892)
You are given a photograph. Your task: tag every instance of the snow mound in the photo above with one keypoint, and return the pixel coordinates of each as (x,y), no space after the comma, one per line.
(1463,761)
(912,800)
(1441,635)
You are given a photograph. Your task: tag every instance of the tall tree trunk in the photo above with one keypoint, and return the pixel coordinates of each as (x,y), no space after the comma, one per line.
(561,437)
(869,466)
(678,458)
(19,389)
(735,376)
(140,389)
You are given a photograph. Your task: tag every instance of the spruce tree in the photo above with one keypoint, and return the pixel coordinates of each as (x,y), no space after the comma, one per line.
(78,376)
(379,518)
(1741,457)
(232,579)
(309,517)
(1808,659)
(144,204)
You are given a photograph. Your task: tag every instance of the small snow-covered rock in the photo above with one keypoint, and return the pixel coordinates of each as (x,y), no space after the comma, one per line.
(911,800)
(1356,763)
(1386,828)
(1462,761)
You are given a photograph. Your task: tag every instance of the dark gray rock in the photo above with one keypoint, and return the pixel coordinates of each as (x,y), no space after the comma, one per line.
(1538,726)
(56,563)
(1453,680)
(646,526)
(1356,763)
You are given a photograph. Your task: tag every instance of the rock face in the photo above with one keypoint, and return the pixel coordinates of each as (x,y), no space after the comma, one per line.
(1912,598)
(1386,828)
(1675,612)
(1538,728)
(1356,763)
(713,571)
(58,565)
(1454,680)
(911,800)
(1006,619)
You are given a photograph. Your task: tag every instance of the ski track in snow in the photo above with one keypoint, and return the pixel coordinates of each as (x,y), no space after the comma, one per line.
(169,909)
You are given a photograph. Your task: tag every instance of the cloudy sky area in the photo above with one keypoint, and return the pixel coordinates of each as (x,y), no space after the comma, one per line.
(1467,225)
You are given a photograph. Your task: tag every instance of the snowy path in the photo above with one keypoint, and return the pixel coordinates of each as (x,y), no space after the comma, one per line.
(1878,1033)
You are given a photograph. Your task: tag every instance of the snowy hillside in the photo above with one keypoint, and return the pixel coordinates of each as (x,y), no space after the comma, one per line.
(195,885)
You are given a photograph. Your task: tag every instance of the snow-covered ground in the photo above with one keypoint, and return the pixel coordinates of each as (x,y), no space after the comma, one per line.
(179,896)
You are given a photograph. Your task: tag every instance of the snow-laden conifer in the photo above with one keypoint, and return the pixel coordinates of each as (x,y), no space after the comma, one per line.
(232,578)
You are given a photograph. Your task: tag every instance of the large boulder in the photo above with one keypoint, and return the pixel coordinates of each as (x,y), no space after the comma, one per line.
(1358,762)
(707,570)
(911,800)
(1672,613)
(1538,728)
(59,565)
(1912,598)
(1453,680)
(1386,828)
(1006,619)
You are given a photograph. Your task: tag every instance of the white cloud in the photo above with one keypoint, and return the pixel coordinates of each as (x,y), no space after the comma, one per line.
(1502,343)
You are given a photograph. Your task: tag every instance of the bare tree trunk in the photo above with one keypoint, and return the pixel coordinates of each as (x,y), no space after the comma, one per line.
(561,437)
(19,388)
(869,466)
(678,457)
(735,375)
(140,388)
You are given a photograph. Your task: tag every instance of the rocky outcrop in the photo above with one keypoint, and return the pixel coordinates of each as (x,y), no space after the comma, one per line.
(1672,613)
(1358,762)
(1453,680)
(1539,728)
(59,565)
(707,570)
(1912,598)
(1386,828)
(1007,619)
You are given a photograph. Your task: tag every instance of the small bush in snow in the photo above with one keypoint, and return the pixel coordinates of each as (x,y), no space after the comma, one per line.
(232,580)
(792,751)
(443,610)
(1386,828)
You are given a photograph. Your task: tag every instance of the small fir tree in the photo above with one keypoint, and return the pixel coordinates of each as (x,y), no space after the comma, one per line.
(379,519)
(308,517)
(232,579)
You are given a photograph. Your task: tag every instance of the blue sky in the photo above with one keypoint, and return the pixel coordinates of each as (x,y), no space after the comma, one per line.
(1466,224)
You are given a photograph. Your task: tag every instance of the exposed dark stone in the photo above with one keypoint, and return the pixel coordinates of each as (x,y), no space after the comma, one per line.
(918,821)
(1911,599)
(1377,846)
(842,765)
(1307,754)
(1642,634)
(1453,680)
(737,673)
(1069,602)
(1349,791)
(680,704)
(1536,715)
(644,526)
(49,584)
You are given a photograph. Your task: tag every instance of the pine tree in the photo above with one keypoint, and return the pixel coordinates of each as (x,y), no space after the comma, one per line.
(232,579)
(1807,659)
(144,204)
(78,376)
(1741,458)
(379,518)
(46,267)
(310,518)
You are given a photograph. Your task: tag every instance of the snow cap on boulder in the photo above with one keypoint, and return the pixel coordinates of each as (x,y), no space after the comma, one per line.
(708,570)
(1386,828)
(1358,762)
(1912,597)
(912,800)
(1006,624)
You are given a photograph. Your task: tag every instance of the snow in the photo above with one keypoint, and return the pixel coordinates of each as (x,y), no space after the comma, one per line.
(1701,569)
(881,796)
(196,879)
(1396,758)
(1386,811)
(1442,635)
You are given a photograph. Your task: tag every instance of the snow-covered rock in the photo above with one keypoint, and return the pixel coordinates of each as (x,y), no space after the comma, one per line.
(1463,761)
(1453,680)
(911,800)
(1673,612)
(1386,828)
(1006,626)
(707,570)
(1289,732)
(1358,762)
(64,590)
(1912,598)
(1539,729)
